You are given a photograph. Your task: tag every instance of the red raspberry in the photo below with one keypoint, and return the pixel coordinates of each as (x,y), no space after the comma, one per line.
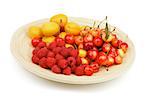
(43,62)
(79,71)
(35,41)
(41,44)
(95,67)
(78,61)
(57,50)
(50,54)
(42,52)
(73,68)
(56,69)
(59,57)
(65,52)
(35,59)
(71,61)
(51,62)
(52,45)
(88,70)
(60,42)
(34,52)
(74,53)
(67,71)
(62,63)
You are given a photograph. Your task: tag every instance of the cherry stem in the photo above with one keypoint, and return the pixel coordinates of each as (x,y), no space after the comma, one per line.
(107,30)
(94,24)
(102,22)
(75,46)
(114,29)
(60,20)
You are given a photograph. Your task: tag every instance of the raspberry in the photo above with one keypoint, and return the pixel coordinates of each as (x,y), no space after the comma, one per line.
(62,63)
(42,63)
(71,61)
(60,42)
(35,59)
(79,71)
(34,52)
(88,70)
(95,67)
(56,69)
(73,67)
(50,54)
(67,71)
(52,45)
(57,50)
(35,41)
(59,57)
(78,61)
(74,53)
(41,44)
(65,52)
(51,62)
(42,52)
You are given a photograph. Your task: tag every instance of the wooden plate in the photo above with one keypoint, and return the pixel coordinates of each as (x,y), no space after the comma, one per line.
(22,50)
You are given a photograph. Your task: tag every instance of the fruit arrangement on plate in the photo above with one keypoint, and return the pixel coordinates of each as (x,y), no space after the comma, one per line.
(65,47)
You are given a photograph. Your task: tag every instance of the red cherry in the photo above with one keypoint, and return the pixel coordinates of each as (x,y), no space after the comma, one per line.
(83,32)
(88,70)
(114,43)
(98,41)
(95,48)
(112,52)
(35,42)
(88,45)
(92,54)
(88,38)
(101,59)
(124,46)
(78,40)
(118,59)
(80,46)
(106,47)
(95,67)
(69,39)
(110,61)
(119,42)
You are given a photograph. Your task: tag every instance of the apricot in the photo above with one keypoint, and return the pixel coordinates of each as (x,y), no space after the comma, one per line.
(34,32)
(72,28)
(60,19)
(50,29)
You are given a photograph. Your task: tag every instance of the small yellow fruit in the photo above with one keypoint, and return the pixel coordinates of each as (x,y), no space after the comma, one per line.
(34,32)
(50,28)
(62,35)
(85,27)
(72,28)
(48,39)
(69,45)
(82,53)
(60,19)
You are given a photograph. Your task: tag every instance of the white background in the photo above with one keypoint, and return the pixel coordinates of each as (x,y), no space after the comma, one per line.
(131,16)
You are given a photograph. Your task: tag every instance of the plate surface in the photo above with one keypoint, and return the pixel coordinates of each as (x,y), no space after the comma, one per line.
(22,50)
